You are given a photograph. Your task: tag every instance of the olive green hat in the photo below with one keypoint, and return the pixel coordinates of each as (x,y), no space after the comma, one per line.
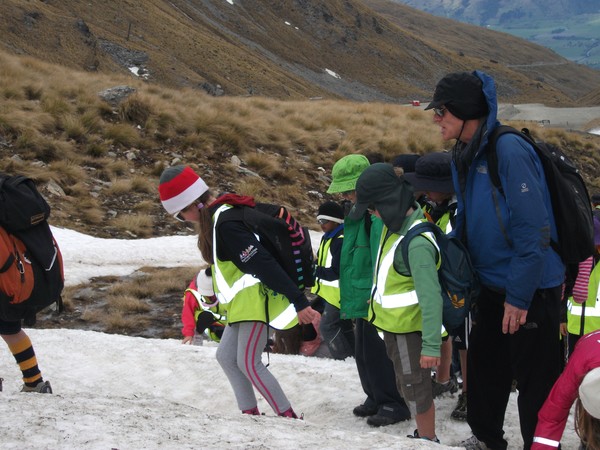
(345,173)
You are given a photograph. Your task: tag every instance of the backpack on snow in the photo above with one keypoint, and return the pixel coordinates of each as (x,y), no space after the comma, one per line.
(31,267)
(571,203)
(284,237)
(456,274)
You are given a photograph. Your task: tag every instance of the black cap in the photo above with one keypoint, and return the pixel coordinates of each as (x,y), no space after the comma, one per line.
(331,211)
(406,161)
(461,93)
(433,172)
(390,194)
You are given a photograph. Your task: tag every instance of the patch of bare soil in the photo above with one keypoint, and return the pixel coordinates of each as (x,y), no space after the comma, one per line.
(87,308)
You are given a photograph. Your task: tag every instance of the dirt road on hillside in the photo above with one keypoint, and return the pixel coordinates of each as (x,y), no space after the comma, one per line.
(571,118)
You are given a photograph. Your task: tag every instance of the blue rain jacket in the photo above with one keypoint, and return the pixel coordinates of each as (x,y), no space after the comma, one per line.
(527,262)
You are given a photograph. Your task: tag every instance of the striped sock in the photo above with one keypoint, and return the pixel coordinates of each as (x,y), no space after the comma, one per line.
(25,357)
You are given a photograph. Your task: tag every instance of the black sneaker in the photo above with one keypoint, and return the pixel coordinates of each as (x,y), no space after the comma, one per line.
(415,435)
(438,389)
(382,421)
(460,412)
(364,411)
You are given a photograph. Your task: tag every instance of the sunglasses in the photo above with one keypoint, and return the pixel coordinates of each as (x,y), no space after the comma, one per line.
(180,217)
(439,111)
(322,221)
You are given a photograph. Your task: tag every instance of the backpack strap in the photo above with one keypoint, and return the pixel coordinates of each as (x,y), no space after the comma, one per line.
(416,230)
(492,162)
(492,154)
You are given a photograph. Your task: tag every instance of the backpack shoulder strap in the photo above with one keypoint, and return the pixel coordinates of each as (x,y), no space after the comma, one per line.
(416,230)
(492,155)
(492,160)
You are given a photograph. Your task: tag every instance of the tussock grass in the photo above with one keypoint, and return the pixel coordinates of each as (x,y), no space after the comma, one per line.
(131,305)
(54,115)
(92,214)
(127,304)
(121,134)
(139,225)
(116,322)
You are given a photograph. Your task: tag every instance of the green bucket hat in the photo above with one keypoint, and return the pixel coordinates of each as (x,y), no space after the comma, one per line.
(345,173)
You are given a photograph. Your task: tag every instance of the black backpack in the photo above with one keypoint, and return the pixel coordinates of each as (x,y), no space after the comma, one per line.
(31,269)
(456,274)
(569,196)
(283,236)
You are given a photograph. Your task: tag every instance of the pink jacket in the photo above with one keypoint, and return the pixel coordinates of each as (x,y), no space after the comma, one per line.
(553,416)
(309,348)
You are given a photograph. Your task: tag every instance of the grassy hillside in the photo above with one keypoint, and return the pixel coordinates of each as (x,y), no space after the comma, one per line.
(99,164)
(336,49)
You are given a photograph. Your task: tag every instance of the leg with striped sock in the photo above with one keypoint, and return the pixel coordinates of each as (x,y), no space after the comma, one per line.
(20,346)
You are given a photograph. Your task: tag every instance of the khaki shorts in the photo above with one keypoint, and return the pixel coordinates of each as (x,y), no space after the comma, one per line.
(415,383)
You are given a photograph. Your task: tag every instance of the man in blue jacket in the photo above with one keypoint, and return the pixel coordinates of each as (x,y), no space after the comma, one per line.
(516,319)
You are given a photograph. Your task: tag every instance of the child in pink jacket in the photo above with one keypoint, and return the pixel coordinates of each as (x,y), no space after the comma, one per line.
(579,382)
(201,309)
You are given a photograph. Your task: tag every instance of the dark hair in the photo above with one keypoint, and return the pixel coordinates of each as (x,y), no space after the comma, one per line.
(375,157)
(587,427)
(288,342)
(204,228)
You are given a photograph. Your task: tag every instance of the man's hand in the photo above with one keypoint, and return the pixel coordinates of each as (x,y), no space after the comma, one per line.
(307,315)
(513,318)
(563,329)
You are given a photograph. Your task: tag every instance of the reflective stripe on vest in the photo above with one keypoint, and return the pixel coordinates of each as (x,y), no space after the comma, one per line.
(214,310)
(394,305)
(253,300)
(328,290)
(587,318)
(224,291)
(285,320)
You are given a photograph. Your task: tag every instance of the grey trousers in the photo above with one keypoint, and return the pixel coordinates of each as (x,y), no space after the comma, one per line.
(239,355)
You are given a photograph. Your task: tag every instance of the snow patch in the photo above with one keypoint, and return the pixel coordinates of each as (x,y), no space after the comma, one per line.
(333,74)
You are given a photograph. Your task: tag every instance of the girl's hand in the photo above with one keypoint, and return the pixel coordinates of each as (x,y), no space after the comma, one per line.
(187,340)
(307,315)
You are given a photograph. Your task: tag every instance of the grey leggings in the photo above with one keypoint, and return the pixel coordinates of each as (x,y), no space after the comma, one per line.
(239,354)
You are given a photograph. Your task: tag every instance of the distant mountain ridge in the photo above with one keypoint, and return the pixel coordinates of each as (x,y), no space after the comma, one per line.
(297,49)
(569,27)
(493,12)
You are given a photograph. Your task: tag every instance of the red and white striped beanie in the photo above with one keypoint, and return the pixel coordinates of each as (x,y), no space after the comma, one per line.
(179,187)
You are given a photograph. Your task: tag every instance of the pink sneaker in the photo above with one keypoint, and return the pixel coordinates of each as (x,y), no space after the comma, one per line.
(291,414)
(253,411)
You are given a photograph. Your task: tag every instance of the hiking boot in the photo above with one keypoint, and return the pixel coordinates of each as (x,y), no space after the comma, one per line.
(415,435)
(440,388)
(364,411)
(252,411)
(460,412)
(473,444)
(43,387)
